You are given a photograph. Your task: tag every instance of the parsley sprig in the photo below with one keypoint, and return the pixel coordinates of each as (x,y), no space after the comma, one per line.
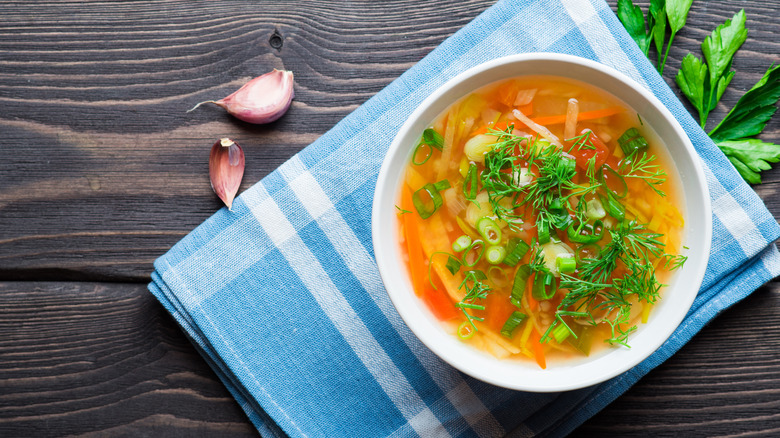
(704,80)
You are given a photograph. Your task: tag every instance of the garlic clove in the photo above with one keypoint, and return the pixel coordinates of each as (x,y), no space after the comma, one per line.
(261,100)
(226,168)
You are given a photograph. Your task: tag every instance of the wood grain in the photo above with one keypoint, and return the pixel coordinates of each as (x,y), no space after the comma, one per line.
(103,359)
(104,170)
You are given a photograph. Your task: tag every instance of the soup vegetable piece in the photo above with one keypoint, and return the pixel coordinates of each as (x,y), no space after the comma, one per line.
(537,219)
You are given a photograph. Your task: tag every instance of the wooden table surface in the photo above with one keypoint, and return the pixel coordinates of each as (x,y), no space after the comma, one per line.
(103,171)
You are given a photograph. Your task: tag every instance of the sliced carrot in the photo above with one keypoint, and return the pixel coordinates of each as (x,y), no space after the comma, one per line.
(438,301)
(508,93)
(417,268)
(497,310)
(527,109)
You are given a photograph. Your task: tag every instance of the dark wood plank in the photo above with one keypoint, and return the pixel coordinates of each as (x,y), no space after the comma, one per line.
(108,169)
(106,359)
(103,358)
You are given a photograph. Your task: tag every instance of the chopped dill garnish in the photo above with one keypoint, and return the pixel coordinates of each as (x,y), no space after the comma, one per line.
(603,288)
(583,141)
(641,167)
(401,210)
(475,290)
(632,248)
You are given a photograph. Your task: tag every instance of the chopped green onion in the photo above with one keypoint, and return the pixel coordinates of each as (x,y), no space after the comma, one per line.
(614,207)
(556,205)
(568,166)
(588,251)
(586,233)
(473,253)
(561,332)
(613,181)
(582,339)
(465,330)
(430,139)
(566,264)
(442,185)
(515,251)
(428,154)
(475,274)
(632,141)
(489,230)
(495,254)
(512,323)
(453,265)
(433,138)
(470,185)
(518,287)
(471,306)
(543,229)
(436,200)
(461,243)
(544,287)
(559,215)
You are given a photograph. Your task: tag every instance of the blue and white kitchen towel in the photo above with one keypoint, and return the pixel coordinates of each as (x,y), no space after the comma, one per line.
(283,298)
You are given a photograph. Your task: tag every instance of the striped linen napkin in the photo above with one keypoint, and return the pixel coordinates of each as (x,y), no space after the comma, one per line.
(283,298)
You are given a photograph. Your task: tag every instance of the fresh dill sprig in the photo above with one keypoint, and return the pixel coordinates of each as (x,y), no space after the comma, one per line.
(594,289)
(537,261)
(643,168)
(475,290)
(498,178)
(583,141)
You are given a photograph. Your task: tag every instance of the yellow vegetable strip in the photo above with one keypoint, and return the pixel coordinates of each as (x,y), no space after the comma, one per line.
(646,312)
(524,338)
(449,143)
(437,241)
(498,339)
(638,214)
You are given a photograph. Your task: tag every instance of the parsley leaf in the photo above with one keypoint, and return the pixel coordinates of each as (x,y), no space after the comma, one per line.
(753,110)
(750,156)
(657,23)
(704,83)
(719,49)
(691,79)
(676,13)
(634,21)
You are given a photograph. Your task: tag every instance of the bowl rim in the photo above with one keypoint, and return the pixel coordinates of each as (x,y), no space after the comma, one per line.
(478,365)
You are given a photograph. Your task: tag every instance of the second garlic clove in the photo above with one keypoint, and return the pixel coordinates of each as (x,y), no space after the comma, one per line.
(226,169)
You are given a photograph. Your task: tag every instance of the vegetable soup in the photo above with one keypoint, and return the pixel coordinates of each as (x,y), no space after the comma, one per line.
(537,219)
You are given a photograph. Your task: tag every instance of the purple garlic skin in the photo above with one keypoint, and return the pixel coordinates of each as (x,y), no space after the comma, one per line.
(226,169)
(261,100)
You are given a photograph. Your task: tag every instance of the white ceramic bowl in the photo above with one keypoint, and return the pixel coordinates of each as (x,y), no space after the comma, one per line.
(526,375)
